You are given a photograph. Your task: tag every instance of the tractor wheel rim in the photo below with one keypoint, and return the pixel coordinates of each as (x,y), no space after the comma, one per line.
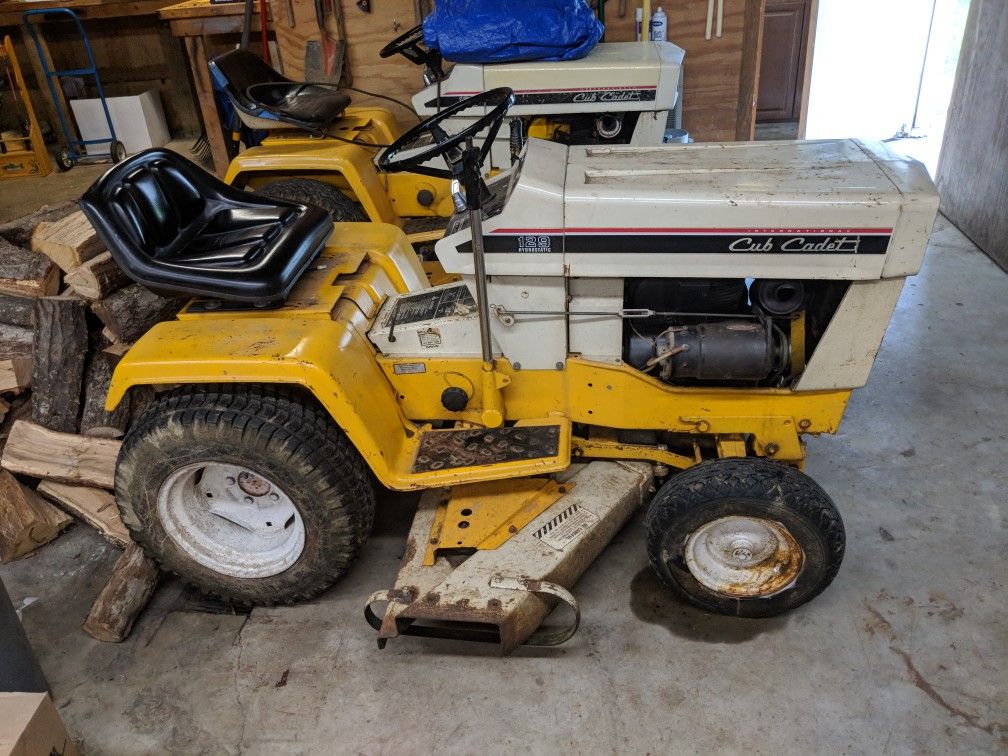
(231,519)
(744,557)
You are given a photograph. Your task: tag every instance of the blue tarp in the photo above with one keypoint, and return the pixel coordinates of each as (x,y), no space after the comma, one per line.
(500,31)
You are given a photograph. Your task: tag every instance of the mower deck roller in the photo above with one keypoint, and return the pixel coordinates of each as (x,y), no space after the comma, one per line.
(503,594)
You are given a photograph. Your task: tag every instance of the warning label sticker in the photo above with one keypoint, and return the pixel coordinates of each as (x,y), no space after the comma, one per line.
(566,527)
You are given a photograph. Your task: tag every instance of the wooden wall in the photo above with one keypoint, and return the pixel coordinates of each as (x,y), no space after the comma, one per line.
(132,54)
(973,168)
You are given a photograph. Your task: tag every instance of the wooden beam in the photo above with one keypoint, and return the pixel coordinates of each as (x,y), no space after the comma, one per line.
(26,520)
(127,592)
(95,506)
(68,458)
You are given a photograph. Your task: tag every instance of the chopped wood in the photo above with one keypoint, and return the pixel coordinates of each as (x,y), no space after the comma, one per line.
(64,457)
(117,349)
(61,343)
(95,419)
(15,375)
(97,278)
(127,592)
(69,242)
(131,311)
(25,273)
(26,520)
(19,231)
(16,342)
(15,310)
(93,505)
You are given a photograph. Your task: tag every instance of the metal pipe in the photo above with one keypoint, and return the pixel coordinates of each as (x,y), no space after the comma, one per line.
(479,263)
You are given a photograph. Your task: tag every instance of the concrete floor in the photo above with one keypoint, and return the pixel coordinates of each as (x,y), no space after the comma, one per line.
(905,653)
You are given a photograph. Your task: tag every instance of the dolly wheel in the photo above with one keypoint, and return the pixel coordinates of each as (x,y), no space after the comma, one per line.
(118,152)
(66,159)
(745,537)
(317,193)
(251,493)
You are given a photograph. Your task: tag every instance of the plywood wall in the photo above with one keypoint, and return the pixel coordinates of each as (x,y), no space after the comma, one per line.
(973,168)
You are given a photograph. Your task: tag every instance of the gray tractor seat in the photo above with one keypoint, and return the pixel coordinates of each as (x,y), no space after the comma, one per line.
(180,231)
(266,100)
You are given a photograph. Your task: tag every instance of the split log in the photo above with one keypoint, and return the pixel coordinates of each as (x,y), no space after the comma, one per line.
(93,505)
(19,231)
(18,311)
(95,419)
(130,312)
(64,457)
(69,242)
(16,342)
(25,273)
(127,592)
(26,520)
(97,278)
(61,343)
(15,375)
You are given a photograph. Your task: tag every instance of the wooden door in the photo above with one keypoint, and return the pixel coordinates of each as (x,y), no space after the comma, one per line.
(785,34)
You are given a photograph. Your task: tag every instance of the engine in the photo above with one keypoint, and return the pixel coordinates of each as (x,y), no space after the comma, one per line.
(722,331)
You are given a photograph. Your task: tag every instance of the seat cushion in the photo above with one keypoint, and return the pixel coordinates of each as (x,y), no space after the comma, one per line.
(310,106)
(178,230)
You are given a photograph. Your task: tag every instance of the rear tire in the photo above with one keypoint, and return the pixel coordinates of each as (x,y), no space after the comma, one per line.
(290,446)
(317,193)
(744,536)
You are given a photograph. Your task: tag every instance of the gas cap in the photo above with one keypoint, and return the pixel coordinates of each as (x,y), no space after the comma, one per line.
(454,399)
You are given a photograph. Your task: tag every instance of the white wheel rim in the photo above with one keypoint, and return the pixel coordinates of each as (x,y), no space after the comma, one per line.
(744,557)
(231,519)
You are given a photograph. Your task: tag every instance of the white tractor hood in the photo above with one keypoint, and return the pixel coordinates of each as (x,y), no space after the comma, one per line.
(832,209)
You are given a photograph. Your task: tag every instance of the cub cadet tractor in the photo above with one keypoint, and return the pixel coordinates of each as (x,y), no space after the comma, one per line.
(628,319)
(320,151)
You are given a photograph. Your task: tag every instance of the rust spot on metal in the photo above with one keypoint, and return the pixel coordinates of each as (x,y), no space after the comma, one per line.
(410,551)
(432,598)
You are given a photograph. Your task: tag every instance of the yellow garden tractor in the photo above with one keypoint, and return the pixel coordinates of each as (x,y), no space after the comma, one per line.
(633,326)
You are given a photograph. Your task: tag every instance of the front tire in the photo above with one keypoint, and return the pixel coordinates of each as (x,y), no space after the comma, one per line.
(251,493)
(744,536)
(317,193)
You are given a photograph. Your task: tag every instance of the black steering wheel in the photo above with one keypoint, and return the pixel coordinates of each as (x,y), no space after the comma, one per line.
(452,147)
(411,46)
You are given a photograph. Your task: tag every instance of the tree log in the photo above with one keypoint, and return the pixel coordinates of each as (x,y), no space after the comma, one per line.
(69,242)
(130,312)
(61,343)
(26,520)
(19,231)
(18,311)
(97,278)
(93,505)
(15,375)
(127,592)
(16,342)
(26,273)
(64,457)
(95,420)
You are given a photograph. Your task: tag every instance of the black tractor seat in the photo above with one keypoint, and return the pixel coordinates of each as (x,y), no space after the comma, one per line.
(265,99)
(180,231)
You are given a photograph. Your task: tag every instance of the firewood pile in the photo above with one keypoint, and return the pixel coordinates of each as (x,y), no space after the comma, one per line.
(67,315)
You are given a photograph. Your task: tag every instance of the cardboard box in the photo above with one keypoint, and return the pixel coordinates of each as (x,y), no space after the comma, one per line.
(30,726)
(139,121)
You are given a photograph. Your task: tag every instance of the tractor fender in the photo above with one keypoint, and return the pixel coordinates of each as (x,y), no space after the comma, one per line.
(329,358)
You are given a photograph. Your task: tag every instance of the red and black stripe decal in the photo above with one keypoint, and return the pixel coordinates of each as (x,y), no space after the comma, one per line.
(569,96)
(779,241)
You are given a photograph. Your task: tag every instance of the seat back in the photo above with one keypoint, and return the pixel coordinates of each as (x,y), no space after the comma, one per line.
(237,70)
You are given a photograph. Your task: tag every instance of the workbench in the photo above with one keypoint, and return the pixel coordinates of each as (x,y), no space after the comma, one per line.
(195,22)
